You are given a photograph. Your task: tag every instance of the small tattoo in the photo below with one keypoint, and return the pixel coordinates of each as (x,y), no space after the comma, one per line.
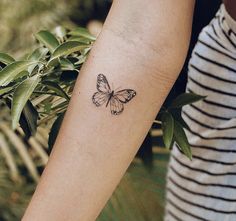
(106,95)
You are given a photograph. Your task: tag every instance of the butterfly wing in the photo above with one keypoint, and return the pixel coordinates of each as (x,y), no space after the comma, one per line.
(119,98)
(116,106)
(102,84)
(105,95)
(125,95)
(99,98)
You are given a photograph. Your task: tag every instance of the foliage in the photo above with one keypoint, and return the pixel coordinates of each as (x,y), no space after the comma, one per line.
(21,18)
(14,194)
(173,124)
(42,83)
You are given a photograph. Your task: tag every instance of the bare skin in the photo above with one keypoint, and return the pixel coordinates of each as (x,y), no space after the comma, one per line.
(230,6)
(142,46)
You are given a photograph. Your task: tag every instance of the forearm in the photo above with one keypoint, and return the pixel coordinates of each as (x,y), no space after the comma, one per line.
(230,6)
(94,146)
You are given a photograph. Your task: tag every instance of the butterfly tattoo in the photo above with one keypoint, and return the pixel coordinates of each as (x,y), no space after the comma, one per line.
(106,95)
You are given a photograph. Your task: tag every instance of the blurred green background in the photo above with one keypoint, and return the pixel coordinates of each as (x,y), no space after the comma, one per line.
(140,195)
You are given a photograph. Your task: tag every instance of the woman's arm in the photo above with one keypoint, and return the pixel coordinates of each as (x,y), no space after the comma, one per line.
(230,6)
(141,47)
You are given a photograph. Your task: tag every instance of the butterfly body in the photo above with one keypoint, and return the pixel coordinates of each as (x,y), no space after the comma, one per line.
(110,96)
(105,95)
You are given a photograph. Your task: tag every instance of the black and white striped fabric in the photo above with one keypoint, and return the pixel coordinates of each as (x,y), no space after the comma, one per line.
(205,189)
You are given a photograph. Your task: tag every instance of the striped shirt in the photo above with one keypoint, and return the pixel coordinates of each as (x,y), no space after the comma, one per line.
(205,188)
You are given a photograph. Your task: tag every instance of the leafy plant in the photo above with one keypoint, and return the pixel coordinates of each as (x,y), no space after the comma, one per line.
(36,90)
(173,124)
(48,74)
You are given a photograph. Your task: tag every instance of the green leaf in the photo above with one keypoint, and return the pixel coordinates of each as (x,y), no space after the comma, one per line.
(11,72)
(28,119)
(167,128)
(83,32)
(54,131)
(21,96)
(38,54)
(181,139)
(81,40)
(47,39)
(85,52)
(67,48)
(22,74)
(5,90)
(66,64)
(56,88)
(177,115)
(6,59)
(186,98)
